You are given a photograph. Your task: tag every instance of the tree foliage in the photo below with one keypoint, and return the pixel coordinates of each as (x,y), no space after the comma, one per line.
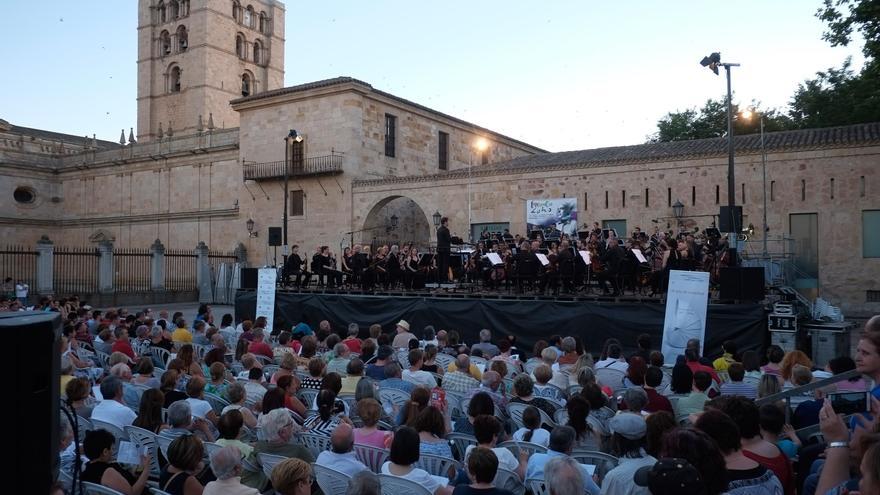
(836,96)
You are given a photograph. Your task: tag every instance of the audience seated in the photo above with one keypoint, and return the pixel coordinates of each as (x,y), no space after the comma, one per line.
(562,440)
(628,433)
(404,453)
(226,466)
(341,456)
(292,477)
(482,466)
(278,431)
(98,447)
(112,409)
(178,477)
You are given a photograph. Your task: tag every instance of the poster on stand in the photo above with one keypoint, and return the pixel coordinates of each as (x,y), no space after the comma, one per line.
(560,212)
(686,303)
(266,278)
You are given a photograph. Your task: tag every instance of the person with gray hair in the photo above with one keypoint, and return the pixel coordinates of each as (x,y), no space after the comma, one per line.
(279,428)
(393,379)
(636,399)
(562,441)
(566,475)
(488,349)
(352,341)
(181,422)
(569,354)
(131,396)
(112,409)
(341,357)
(460,380)
(364,483)
(226,465)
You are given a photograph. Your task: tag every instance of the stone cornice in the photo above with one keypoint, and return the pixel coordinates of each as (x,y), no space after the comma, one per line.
(181,216)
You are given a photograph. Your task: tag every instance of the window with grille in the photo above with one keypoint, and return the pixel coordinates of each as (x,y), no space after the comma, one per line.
(390,134)
(871,233)
(297,203)
(872,296)
(443,147)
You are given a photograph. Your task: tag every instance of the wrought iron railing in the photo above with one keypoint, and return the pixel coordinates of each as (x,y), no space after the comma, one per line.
(316,165)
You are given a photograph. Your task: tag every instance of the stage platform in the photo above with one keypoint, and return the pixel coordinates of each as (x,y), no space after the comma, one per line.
(528,317)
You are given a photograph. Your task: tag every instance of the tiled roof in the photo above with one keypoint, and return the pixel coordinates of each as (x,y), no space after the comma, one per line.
(796,140)
(59,136)
(336,81)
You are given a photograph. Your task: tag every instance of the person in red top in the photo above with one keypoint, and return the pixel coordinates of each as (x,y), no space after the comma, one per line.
(748,417)
(258,346)
(352,341)
(122,343)
(656,402)
(692,359)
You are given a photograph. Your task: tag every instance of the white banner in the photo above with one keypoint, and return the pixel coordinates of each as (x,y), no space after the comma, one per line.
(686,304)
(266,295)
(561,212)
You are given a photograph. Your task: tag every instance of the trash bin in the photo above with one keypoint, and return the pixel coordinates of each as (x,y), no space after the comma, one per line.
(830,340)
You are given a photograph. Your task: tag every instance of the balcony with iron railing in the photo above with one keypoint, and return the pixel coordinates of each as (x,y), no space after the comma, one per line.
(312,166)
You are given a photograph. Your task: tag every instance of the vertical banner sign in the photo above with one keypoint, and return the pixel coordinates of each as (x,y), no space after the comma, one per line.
(686,305)
(266,295)
(561,212)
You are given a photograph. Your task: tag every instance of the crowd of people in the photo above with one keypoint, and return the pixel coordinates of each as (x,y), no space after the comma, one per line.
(562,418)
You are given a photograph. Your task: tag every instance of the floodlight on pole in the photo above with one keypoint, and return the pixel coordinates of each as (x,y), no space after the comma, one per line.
(748,114)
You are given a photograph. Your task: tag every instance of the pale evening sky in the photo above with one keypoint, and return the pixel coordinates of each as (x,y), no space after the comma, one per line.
(561,75)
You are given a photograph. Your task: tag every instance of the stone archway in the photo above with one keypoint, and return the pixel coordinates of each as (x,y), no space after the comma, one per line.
(413,224)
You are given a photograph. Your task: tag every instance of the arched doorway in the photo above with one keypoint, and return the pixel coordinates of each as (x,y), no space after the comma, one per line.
(413,224)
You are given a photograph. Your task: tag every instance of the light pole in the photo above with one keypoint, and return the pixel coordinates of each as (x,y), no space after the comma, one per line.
(748,115)
(292,137)
(481,145)
(712,62)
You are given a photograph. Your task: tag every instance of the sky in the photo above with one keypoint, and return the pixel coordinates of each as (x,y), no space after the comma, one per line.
(561,75)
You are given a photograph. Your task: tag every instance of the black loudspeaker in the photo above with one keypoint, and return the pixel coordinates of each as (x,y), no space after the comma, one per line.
(248,278)
(742,283)
(34,420)
(274,236)
(728,222)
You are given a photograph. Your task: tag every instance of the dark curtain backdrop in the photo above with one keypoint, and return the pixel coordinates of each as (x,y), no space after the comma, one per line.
(528,320)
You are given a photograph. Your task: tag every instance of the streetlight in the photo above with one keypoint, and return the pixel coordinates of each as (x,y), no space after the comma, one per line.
(481,145)
(678,211)
(748,114)
(292,137)
(250,228)
(436,217)
(712,62)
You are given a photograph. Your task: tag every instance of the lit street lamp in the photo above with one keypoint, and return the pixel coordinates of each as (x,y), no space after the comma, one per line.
(481,145)
(748,114)
(292,137)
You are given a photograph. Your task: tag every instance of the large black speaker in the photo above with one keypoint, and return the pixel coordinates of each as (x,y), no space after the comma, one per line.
(728,222)
(742,283)
(249,278)
(33,381)
(274,236)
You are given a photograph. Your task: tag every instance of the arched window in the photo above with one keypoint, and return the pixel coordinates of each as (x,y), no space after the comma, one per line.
(174,9)
(258,52)
(184,8)
(174,75)
(240,46)
(161,9)
(236,11)
(264,25)
(164,43)
(249,17)
(182,39)
(246,84)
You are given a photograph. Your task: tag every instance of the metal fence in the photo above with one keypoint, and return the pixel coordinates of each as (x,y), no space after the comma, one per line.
(131,270)
(180,270)
(19,263)
(75,270)
(217,258)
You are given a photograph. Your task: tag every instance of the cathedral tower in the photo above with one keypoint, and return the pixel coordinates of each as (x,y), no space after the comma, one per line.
(194,56)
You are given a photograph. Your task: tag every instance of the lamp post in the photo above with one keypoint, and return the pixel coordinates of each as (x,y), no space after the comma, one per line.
(292,137)
(481,145)
(436,217)
(678,212)
(713,61)
(748,115)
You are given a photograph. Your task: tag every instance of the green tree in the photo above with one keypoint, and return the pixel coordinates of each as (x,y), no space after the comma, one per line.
(710,121)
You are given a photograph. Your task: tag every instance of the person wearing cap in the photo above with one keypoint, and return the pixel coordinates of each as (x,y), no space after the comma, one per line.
(628,431)
(671,476)
(401,340)
(562,440)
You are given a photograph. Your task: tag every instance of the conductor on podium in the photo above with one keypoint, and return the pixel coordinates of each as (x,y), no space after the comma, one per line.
(444,242)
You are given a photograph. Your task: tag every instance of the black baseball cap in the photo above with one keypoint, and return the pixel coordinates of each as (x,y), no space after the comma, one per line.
(671,476)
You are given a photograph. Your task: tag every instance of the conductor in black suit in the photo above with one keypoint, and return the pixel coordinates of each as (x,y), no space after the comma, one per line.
(444,242)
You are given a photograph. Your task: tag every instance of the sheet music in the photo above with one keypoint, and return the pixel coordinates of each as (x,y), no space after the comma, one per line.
(495,259)
(586,257)
(542,258)
(640,256)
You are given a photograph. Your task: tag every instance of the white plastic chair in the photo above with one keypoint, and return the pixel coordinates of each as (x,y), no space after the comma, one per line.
(96,489)
(611,377)
(393,396)
(516,409)
(394,485)
(506,479)
(84,426)
(217,403)
(314,442)
(372,457)
(515,447)
(460,443)
(145,438)
(444,360)
(603,462)
(537,486)
(307,396)
(268,462)
(117,432)
(330,480)
(162,355)
(438,465)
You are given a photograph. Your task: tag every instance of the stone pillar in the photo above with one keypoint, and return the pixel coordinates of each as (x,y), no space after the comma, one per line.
(105,267)
(241,254)
(45,266)
(157,266)
(203,274)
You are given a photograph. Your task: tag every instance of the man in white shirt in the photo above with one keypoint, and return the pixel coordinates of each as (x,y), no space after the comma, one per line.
(614,360)
(415,374)
(341,456)
(111,409)
(254,386)
(627,443)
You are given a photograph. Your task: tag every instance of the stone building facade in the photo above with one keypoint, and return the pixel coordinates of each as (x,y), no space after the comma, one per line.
(367,157)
